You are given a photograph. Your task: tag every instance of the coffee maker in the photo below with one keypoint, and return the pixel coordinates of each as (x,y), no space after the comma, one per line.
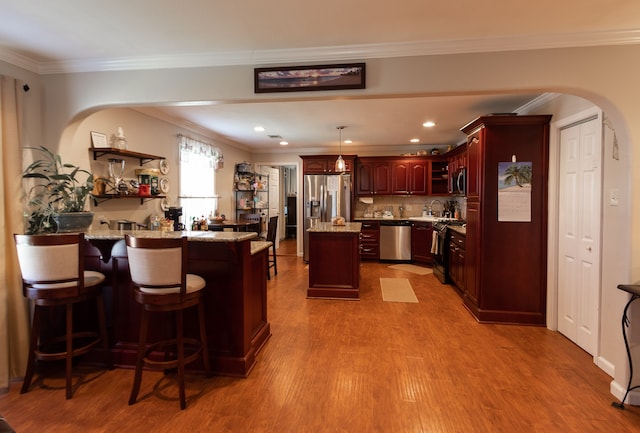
(174,214)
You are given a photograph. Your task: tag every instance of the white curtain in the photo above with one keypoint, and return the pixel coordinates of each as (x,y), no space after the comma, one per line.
(14,312)
(198,164)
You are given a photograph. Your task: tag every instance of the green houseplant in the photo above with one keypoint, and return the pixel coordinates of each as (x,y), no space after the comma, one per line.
(58,189)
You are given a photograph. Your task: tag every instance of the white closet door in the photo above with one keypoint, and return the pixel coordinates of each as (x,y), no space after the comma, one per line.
(579,230)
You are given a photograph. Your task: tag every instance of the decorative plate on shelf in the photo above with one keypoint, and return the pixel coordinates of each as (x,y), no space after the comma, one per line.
(165,204)
(164,166)
(164,185)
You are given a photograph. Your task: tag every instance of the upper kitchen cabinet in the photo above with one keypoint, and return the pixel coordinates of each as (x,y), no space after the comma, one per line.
(325,164)
(506,232)
(409,176)
(373,176)
(439,177)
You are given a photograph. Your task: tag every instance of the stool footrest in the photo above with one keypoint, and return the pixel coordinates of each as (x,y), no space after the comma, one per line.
(43,355)
(192,348)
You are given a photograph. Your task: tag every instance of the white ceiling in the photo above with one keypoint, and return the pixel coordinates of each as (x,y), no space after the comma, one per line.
(76,35)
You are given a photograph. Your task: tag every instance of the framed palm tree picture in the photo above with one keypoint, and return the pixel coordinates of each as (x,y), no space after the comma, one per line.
(514,191)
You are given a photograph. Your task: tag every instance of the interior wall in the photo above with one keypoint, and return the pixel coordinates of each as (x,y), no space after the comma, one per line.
(147,135)
(605,75)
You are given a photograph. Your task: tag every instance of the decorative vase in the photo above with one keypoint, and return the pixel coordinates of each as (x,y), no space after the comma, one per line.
(73,221)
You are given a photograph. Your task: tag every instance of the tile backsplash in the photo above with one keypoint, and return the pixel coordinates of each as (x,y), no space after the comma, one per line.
(412,205)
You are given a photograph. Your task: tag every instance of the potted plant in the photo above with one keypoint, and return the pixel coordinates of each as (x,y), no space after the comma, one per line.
(57,200)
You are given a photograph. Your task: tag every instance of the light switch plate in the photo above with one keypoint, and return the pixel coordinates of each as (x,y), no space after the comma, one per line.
(613,197)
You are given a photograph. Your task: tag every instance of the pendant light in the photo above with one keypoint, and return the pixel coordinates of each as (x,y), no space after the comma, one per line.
(340,164)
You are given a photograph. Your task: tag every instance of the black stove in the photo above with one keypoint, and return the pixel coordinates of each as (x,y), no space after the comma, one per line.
(441,252)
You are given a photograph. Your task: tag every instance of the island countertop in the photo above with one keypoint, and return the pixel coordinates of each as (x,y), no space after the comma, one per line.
(198,236)
(326,227)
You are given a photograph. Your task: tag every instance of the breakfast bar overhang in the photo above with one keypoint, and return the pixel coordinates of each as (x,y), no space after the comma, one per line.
(234,266)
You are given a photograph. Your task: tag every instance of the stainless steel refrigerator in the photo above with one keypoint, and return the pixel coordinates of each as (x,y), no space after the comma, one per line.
(325,196)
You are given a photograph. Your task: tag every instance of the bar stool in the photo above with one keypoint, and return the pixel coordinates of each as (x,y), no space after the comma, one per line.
(272,232)
(53,275)
(161,284)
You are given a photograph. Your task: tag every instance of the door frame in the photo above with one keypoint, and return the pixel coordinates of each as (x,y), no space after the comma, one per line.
(553,235)
(299,203)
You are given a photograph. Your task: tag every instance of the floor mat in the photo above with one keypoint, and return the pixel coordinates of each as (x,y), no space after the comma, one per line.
(397,290)
(412,268)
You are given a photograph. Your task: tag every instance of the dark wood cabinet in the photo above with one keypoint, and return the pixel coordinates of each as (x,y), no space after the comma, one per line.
(439,177)
(472,260)
(334,264)
(370,240)
(421,241)
(505,260)
(409,176)
(236,300)
(457,271)
(325,164)
(373,176)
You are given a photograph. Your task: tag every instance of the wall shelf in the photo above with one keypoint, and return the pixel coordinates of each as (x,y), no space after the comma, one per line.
(97,199)
(143,157)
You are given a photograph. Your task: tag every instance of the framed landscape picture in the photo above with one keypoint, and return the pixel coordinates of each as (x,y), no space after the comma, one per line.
(306,78)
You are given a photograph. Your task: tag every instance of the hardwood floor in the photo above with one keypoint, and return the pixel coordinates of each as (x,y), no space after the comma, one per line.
(354,366)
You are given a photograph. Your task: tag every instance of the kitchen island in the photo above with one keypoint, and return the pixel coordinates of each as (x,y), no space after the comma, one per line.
(334,260)
(234,267)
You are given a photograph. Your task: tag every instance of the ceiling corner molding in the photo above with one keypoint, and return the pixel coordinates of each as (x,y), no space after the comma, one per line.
(537,102)
(19,60)
(336,53)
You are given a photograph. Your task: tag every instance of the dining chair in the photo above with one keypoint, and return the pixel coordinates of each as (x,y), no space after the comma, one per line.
(53,276)
(272,232)
(255,218)
(161,284)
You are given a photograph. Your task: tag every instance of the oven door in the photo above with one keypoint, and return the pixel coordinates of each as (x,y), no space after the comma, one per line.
(440,253)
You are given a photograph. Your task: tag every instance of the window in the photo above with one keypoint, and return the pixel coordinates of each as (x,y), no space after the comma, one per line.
(198,164)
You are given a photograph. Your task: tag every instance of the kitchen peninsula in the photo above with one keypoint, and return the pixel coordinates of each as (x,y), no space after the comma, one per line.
(234,267)
(334,260)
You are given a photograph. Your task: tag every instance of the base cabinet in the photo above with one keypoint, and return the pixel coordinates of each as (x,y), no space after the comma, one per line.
(235,301)
(421,242)
(334,265)
(457,272)
(370,240)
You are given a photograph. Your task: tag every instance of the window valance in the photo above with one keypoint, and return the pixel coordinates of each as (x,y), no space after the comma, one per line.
(190,146)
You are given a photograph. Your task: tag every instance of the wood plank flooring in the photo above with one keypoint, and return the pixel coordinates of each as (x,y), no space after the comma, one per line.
(354,366)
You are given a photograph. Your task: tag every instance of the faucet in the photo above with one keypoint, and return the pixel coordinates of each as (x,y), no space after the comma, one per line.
(431,206)
(401,210)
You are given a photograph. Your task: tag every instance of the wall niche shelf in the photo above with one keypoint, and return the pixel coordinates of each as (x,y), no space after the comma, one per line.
(143,157)
(97,199)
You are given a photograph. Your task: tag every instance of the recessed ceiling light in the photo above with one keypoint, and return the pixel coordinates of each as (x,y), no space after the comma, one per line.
(259,128)
(415,140)
(284,143)
(348,142)
(429,124)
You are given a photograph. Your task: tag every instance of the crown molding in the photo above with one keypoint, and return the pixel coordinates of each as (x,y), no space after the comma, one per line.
(327,54)
(19,60)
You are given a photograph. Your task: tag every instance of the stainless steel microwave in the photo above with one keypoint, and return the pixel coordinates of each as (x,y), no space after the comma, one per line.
(459,181)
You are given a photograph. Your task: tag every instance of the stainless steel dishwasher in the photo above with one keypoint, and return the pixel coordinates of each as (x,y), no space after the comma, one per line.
(395,240)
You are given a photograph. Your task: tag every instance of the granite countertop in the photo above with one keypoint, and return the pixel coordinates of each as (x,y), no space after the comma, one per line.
(257,246)
(330,228)
(458,229)
(199,236)
(428,219)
